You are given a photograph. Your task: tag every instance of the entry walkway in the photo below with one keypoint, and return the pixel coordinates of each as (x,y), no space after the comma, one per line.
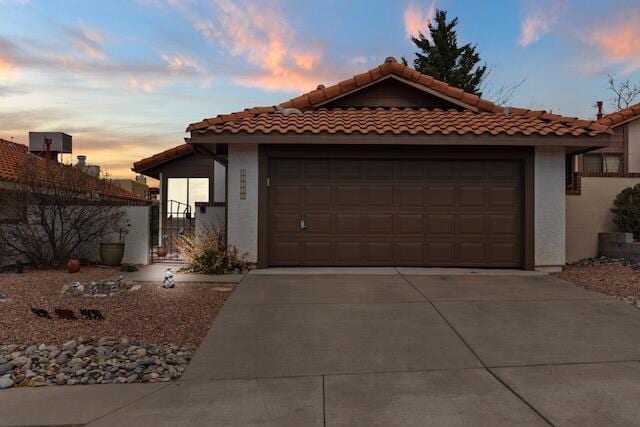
(393,349)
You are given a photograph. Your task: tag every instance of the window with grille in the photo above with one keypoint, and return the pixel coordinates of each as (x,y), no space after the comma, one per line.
(602,163)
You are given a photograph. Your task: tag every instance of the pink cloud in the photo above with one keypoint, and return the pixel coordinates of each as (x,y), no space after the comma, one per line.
(416,19)
(262,37)
(619,42)
(8,69)
(87,40)
(539,20)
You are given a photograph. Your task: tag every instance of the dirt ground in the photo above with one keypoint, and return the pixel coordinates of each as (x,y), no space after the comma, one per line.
(616,279)
(154,315)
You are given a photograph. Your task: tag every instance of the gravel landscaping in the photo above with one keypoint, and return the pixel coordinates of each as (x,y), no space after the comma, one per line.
(615,277)
(148,333)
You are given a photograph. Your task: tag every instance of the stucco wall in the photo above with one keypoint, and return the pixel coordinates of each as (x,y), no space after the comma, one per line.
(136,248)
(218,182)
(588,214)
(243,212)
(549,205)
(212,217)
(634,146)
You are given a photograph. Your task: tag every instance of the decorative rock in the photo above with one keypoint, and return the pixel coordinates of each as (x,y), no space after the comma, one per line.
(4,368)
(5,383)
(70,345)
(37,381)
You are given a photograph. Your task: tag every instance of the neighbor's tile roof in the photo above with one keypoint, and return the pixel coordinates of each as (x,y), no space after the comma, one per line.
(162,157)
(621,116)
(12,155)
(409,121)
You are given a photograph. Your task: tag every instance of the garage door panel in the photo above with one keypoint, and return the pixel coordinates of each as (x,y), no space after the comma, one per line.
(318,169)
(471,196)
(440,224)
(285,252)
(349,223)
(504,224)
(471,170)
(410,195)
(410,224)
(396,212)
(440,253)
(378,169)
(349,252)
(287,195)
(348,195)
(409,170)
(471,224)
(318,223)
(317,195)
(348,169)
(440,196)
(286,168)
(286,223)
(504,196)
(379,251)
(317,251)
(409,252)
(503,253)
(507,171)
(440,170)
(378,195)
(472,253)
(379,223)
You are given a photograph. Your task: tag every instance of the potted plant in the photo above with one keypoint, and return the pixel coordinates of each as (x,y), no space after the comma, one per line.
(111,253)
(73,265)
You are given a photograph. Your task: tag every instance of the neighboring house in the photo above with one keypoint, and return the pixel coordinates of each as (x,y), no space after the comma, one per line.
(620,156)
(136,186)
(598,177)
(13,155)
(390,167)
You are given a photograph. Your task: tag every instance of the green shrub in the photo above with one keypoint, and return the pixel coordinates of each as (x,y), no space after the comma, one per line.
(207,253)
(627,210)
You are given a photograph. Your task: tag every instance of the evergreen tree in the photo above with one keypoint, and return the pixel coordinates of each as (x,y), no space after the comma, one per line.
(442,59)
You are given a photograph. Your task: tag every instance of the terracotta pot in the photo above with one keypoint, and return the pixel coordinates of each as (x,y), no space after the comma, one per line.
(111,253)
(73,265)
(162,251)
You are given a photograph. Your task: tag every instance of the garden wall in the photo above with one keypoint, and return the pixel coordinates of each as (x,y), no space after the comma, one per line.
(588,212)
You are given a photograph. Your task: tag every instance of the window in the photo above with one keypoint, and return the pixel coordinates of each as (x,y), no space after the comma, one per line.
(183,193)
(602,163)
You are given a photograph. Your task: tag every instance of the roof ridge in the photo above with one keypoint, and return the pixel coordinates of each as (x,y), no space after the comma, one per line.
(621,116)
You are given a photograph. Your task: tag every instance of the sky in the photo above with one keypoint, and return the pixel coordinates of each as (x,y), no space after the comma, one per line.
(125,78)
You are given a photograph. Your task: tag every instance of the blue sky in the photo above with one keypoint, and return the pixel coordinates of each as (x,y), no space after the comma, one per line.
(126,77)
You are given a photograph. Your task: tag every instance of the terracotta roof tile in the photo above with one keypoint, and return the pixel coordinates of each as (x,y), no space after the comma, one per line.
(621,116)
(12,155)
(412,121)
(165,156)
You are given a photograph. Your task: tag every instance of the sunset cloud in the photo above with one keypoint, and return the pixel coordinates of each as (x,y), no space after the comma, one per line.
(260,34)
(539,20)
(416,19)
(8,70)
(619,42)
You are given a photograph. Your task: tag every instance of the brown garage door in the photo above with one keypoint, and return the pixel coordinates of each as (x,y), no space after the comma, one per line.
(395,212)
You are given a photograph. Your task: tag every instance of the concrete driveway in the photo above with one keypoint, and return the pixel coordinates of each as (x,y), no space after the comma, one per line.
(402,347)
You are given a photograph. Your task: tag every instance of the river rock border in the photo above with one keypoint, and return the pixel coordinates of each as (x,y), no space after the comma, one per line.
(107,360)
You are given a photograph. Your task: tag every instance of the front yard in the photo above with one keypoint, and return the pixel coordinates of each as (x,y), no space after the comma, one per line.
(147,335)
(612,277)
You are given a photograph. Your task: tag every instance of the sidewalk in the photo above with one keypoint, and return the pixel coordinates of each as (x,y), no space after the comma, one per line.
(155,273)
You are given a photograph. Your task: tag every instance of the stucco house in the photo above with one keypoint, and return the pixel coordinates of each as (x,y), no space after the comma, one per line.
(598,176)
(387,168)
(16,158)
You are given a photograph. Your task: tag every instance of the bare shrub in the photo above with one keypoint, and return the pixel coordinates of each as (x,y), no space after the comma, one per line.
(64,210)
(208,253)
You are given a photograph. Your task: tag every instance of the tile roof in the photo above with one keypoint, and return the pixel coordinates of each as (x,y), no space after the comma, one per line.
(305,114)
(310,101)
(621,116)
(12,155)
(160,158)
(409,121)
